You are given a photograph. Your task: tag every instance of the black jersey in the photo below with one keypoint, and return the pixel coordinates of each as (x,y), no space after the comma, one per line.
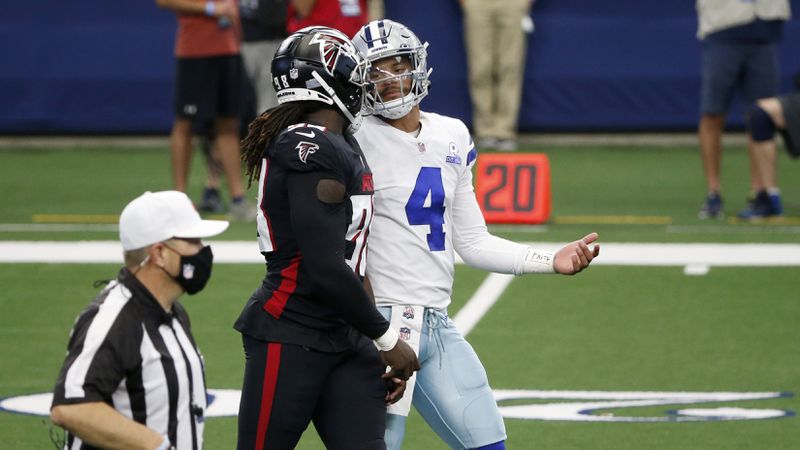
(309,296)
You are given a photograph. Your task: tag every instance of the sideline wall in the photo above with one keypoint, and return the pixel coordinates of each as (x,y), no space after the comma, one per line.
(107,67)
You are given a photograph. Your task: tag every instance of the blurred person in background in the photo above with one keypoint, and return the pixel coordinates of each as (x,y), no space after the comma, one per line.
(496,48)
(767,116)
(208,87)
(375,10)
(425,212)
(263,28)
(346,16)
(211,199)
(739,39)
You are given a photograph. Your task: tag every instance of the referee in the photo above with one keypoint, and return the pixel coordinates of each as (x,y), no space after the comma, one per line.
(133,376)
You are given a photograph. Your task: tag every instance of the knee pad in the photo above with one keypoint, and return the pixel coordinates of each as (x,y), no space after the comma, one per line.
(482,421)
(762,128)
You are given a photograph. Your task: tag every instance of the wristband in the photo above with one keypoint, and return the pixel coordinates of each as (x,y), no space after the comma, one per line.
(210,8)
(538,261)
(388,340)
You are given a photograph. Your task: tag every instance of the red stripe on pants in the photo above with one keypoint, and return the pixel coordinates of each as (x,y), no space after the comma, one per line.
(268,391)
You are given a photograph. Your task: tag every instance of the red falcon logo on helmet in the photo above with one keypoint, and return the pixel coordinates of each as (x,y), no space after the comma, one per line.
(306,148)
(329,47)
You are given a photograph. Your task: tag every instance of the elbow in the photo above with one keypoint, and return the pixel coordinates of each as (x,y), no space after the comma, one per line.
(59,415)
(473,259)
(467,252)
(162,3)
(325,268)
(323,283)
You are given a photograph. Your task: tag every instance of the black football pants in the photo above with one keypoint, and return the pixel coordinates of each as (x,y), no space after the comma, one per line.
(287,386)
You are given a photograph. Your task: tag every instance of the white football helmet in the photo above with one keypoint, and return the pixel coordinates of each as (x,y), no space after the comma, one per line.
(381,39)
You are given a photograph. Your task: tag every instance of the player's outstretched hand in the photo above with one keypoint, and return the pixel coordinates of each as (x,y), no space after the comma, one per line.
(395,387)
(401,359)
(576,256)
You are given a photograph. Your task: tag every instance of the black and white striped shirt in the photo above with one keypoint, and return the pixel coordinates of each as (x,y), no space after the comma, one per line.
(125,350)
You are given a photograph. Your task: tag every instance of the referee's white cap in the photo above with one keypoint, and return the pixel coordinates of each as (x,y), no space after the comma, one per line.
(157,216)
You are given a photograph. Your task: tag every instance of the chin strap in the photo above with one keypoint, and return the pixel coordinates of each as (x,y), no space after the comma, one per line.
(396,109)
(334,97)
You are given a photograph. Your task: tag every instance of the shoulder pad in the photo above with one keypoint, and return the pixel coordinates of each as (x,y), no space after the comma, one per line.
(307,148)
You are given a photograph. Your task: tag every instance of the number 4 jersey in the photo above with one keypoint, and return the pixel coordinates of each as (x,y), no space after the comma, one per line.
(423,185)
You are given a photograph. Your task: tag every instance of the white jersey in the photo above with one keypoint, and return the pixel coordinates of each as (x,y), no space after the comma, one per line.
(423,185)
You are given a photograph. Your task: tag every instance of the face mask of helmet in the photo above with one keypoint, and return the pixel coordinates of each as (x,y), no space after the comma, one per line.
(393,88)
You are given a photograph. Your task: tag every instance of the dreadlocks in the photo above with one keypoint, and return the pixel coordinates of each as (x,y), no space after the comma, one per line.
(265,127)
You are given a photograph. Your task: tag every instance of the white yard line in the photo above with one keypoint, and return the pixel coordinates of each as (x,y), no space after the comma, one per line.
(89,252)
(481,301)
(659,254)
(696,258)
(57,227)
(611,254)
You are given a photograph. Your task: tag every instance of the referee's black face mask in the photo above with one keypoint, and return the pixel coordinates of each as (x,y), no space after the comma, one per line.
(194,270)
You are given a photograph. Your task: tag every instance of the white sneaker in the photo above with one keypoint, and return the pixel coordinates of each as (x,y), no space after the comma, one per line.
(243,211)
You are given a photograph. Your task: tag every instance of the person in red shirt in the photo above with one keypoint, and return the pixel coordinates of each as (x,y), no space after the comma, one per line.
(208,88)
(347,16)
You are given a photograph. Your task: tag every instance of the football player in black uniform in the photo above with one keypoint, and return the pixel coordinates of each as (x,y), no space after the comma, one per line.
(308,330)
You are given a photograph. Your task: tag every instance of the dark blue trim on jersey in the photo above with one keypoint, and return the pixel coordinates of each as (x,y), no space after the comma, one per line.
(471,156)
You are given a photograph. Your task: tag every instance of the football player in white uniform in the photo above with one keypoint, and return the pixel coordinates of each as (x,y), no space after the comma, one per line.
(425,211)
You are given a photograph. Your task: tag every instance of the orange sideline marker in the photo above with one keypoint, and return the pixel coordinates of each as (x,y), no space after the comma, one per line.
(514,188)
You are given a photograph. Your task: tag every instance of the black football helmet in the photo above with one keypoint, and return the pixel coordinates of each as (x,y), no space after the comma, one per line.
(320,64)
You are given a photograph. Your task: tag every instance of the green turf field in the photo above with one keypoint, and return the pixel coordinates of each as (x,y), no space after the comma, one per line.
(41,186)
(611,328)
